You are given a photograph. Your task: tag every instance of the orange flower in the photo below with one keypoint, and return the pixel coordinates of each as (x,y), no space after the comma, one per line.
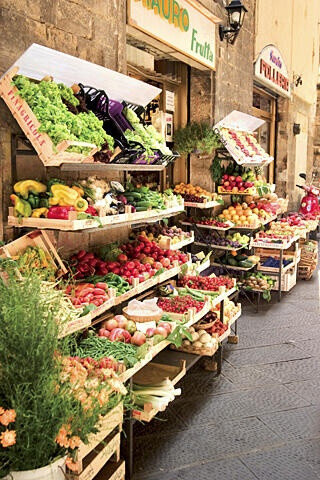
(62,438)
(9,416)
(73,466)
(2,410)
(74,442)
(8,438)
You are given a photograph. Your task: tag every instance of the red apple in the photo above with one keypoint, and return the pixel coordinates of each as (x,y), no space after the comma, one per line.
(111,324)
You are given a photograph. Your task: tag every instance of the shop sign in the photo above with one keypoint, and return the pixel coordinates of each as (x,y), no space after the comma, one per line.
(169,101)
(271,71)
(180,24)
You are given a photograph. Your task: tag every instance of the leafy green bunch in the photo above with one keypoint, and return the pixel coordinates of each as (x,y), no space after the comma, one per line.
(196,138)
(46,101)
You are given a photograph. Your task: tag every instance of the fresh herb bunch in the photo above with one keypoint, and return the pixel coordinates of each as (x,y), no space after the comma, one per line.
(216,169)
(46,101)
(196,138)
(37,380)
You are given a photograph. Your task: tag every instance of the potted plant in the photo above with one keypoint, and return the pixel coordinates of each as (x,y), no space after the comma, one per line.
(196,138)
(49,401)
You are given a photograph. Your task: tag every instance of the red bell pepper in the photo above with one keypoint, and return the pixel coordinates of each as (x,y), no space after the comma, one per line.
(92,211)
(59,213)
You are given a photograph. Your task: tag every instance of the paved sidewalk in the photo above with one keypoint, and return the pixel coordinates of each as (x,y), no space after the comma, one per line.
(261,418)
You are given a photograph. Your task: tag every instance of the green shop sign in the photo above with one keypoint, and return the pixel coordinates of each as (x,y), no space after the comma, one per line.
(182,24)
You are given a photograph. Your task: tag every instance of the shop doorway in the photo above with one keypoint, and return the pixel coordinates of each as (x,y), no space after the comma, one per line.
(265,107)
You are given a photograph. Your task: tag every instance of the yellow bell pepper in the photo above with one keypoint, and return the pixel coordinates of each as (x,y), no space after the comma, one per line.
(63,196)
(39,212)
(81,205)
(78,189)
(24,187)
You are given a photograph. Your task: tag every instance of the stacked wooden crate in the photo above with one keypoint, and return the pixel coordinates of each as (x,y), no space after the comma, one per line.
(99,459)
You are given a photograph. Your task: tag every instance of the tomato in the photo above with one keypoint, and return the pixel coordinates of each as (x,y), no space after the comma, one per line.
(122,258)
(165,262)
(130,266)
(157,265)
(138,339)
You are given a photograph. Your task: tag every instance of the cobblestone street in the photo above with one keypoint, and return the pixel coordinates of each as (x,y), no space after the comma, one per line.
(261,418)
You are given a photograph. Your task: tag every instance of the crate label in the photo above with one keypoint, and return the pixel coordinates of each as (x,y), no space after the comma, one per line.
(19,106)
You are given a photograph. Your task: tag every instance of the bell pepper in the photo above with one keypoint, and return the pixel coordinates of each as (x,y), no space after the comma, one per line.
(33,200)
(22,208)
(59,213)
(44,203)
(81,204)
(39,212)
(63,195)
(78,189)
(92,211)
(24,187)
(54,181)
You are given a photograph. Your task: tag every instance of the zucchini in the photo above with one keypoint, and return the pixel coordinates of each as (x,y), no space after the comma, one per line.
(232,261)
(245,264)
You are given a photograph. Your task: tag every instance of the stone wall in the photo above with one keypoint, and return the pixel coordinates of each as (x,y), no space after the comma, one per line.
(214,95)
(93,30)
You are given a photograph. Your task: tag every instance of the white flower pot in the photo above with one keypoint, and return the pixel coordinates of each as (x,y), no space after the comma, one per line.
(54,471)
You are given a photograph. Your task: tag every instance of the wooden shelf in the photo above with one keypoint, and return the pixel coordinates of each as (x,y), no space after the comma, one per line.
(154,373)
(209,227)
(206,204)
(231,267)
(220,247)
(90,225)
(107,167)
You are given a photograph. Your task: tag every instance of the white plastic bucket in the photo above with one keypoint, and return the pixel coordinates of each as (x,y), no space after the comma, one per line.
(54,471)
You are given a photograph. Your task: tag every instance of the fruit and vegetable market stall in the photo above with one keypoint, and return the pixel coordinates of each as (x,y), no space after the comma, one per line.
(138,310)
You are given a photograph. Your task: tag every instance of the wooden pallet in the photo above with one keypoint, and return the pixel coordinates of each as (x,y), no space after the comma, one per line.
(41,142)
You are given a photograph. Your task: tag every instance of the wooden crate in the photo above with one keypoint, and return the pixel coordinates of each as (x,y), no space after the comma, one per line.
(166,242)
(37,238)
(109,422)
(75,326)
(288,280)
(205,204)
(106,305)
(89,466)
(103,445)
(42,143)
(112,471)
(208,352)
(154,373)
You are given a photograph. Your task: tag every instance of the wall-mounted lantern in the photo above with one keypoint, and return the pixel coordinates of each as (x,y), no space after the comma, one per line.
(236,12)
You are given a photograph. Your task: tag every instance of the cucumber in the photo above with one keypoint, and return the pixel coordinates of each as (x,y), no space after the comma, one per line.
(133,195)
(141,209)
(144,204)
